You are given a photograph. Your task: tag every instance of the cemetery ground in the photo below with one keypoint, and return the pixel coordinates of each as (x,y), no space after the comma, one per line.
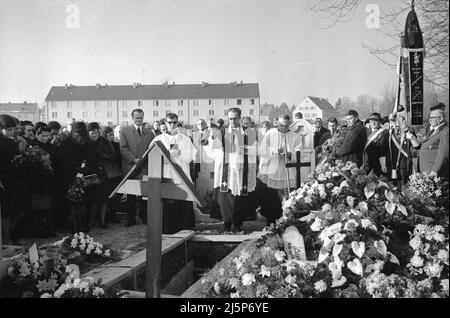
(186,255)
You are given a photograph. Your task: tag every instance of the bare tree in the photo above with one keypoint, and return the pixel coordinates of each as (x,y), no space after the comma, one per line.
(434,21)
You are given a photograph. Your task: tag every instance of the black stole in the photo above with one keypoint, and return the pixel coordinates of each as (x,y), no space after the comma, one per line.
(224,182)
(244,191)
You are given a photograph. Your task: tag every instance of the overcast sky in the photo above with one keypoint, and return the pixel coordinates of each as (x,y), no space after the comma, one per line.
(276,43)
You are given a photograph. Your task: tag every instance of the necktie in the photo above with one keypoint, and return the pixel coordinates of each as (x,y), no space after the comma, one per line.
(139,131)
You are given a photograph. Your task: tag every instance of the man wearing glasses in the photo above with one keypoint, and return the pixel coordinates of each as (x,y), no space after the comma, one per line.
(177,214)
(235,170)
(434,150)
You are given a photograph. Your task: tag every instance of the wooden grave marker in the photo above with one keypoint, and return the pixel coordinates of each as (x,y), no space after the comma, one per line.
(155,187)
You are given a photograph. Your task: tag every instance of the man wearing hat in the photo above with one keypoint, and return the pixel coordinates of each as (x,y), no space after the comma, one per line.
(434,150)
(377,147)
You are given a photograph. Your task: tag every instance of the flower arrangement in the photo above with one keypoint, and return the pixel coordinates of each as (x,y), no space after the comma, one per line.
(82,244)
(76,192)
(332,145)
(28,279)
(51,276)
(35,168)
(76,287)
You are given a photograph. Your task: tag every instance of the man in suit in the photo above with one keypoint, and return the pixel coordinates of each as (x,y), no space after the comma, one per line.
(134,141)
(354,142)
(320,131)
(434,150)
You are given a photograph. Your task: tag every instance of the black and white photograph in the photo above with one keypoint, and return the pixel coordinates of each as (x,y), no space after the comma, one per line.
(224,153)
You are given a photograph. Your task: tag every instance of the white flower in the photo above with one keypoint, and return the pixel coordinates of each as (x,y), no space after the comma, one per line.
(320,286)
(433,270)
(323,195)
(88,251)
(248,279)
(351,225)
(46,295)
(439,237)
(235,295)
(73,243)
(234,282)
(265,271)
(98,291)
(329,185)
(336,191)
(326,207)
(107,253)
(365,223)
(280,255)
(338,237)
(317,225)
(217,288)
(415,242)
(416,261)
(333,229)
(443,256)
(308,200)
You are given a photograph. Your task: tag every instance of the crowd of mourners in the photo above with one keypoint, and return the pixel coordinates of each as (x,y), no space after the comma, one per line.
(235,165)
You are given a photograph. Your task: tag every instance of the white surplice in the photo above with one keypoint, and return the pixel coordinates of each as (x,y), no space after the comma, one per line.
(186,154)
(272,167)
(234,149)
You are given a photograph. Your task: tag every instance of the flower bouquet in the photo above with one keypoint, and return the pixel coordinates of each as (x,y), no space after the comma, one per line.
(332,145)
(76,287)
(81,249)
(31,279)
(34,167)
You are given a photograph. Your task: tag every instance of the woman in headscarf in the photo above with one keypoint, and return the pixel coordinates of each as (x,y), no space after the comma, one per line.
(77,157)
(14,194)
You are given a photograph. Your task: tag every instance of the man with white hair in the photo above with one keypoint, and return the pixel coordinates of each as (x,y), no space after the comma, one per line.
(434,150)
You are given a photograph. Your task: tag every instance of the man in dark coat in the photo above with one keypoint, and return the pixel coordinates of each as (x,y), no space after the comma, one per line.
(434,151)
(320,131)
(353,145)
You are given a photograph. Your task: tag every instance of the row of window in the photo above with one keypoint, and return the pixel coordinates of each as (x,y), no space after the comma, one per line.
(156,103)
(109,114)
(307,107)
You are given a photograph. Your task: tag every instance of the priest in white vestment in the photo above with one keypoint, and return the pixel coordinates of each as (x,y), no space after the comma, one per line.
(235,170)
(203,172)
(276,149)
(177,214)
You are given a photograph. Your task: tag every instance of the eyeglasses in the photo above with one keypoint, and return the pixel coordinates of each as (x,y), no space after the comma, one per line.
(434,117)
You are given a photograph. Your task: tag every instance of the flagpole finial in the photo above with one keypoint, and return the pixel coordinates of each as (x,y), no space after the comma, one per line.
(412,4)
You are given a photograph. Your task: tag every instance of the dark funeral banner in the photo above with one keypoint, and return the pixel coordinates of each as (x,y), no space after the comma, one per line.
(415,72)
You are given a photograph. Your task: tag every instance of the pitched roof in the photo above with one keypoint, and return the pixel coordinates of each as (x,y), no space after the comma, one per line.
(19,107)
(153,92)
(266,109)
(322,103)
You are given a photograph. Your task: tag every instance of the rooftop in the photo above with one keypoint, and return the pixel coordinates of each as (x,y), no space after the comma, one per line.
(153,92)
(322,103)
(19,107)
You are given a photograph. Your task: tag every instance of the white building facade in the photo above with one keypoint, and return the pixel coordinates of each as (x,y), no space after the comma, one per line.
(315,107)
(112,105)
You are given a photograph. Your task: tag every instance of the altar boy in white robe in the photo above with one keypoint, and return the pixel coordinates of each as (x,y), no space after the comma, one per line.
(276,144)
(177,214)
(235,170)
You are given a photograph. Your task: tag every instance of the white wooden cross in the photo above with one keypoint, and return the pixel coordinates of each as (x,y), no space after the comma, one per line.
(155,187)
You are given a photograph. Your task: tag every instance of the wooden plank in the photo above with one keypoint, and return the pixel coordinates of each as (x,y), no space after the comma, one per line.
(192,292)
(179,283)
(225,238)
(184,234)
(138,294)
(109,275)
